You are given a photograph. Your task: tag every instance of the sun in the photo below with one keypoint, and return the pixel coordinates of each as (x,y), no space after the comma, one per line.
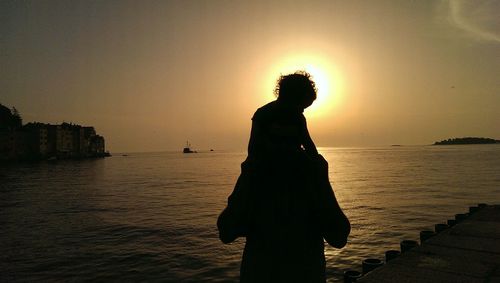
(324,75)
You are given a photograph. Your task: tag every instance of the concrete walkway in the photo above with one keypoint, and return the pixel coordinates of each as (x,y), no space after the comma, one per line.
(467,252)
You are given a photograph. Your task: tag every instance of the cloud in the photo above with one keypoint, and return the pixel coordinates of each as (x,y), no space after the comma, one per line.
(477,18)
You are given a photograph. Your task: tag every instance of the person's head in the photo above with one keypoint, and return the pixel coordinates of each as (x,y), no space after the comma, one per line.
(297,89)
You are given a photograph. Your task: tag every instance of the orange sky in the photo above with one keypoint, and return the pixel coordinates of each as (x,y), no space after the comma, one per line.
(151,74)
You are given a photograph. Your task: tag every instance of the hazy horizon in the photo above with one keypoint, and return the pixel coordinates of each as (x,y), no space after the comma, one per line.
(150,75)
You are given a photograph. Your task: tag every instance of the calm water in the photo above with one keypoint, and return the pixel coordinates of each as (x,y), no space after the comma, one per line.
(151,217)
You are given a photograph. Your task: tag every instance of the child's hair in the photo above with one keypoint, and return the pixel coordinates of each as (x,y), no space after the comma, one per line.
(295,88)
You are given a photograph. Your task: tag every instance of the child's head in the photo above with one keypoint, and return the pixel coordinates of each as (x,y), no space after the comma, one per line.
(297,89)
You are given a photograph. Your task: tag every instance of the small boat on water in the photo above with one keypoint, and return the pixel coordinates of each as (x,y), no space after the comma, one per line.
(187,148)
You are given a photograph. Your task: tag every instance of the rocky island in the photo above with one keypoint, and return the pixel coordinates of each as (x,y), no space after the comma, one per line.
(467,140)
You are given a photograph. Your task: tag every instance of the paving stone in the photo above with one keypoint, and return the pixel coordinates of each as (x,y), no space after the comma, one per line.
(446,239)
(394,273)
(459,265)
(489,213)
(466,255)
(467,252)
(482,229)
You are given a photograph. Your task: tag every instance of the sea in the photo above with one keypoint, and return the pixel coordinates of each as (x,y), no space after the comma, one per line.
(151,217)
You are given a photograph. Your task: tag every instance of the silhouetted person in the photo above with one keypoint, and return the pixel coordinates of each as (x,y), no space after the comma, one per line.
(283,202)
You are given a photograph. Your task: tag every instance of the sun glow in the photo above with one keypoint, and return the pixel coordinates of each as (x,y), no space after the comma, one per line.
(324,74)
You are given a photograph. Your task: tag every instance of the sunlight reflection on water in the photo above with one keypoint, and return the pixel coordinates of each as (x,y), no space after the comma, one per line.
(151,217)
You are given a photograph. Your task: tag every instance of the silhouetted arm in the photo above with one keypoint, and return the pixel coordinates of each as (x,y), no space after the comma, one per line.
(335,225)
(233,221)
(307,141)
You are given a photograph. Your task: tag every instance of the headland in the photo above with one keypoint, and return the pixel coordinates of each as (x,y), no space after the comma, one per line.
(41,141)
(467,140)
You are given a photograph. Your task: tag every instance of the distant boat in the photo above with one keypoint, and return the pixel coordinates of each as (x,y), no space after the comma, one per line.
(187,148)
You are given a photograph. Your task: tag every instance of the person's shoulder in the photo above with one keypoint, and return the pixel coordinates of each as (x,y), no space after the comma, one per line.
(265,111)
(271,106)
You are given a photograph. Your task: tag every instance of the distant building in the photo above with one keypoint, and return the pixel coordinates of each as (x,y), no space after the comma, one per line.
(64,141)
(97,146)
(88,134)
(35,141)
(7,145)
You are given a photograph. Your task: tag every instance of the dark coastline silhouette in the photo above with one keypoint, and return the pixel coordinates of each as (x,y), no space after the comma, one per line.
(283,202)
(467,140)
(36,141)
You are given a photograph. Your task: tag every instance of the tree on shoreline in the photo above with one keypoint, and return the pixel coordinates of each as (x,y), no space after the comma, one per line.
(16,117)
(10,119)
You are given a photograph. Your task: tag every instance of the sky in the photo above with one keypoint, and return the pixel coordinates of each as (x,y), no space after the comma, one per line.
(149,75)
